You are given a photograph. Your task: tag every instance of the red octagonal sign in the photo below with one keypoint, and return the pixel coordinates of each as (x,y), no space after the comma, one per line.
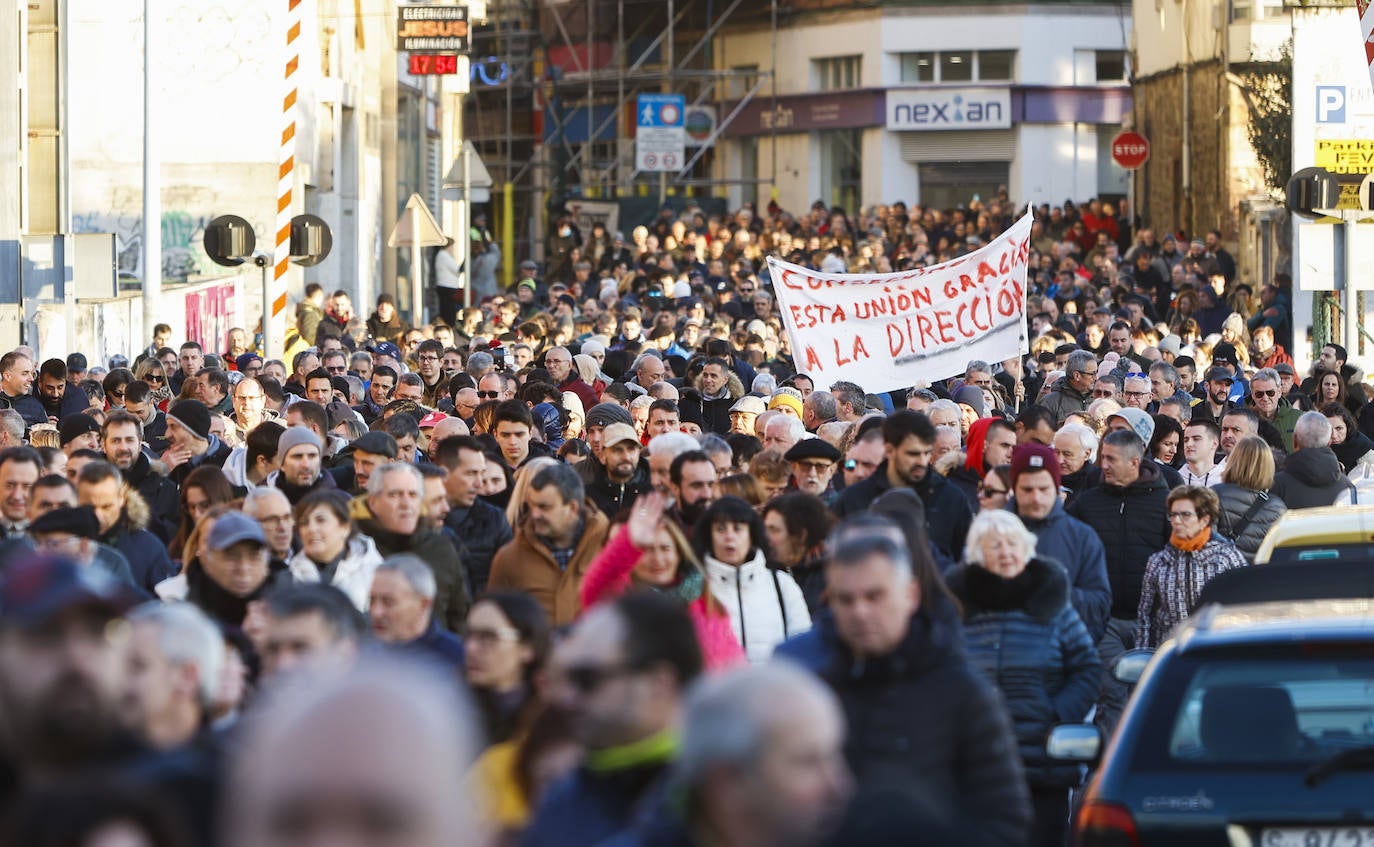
(1130,150)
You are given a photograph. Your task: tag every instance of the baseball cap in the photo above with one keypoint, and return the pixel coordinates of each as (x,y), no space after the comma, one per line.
(385,348)
(76,362)
(432,419)
(1140,421)
(1216,373)
(231,528)
(618,432)
(36,588)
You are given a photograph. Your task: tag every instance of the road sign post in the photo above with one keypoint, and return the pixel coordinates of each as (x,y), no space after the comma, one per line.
(660,136)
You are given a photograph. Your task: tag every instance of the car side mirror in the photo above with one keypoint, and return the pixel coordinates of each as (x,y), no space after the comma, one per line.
(1075,742)
(1130,666)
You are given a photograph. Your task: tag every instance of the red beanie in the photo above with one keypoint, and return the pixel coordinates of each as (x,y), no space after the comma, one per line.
(1031,456)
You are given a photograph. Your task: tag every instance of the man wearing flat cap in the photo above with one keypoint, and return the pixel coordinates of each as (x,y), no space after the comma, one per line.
(369,452)
(813,463)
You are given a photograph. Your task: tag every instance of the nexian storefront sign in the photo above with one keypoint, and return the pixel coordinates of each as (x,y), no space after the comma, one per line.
(918,109)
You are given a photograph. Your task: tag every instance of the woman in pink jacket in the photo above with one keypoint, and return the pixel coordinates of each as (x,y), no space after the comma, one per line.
(650,552)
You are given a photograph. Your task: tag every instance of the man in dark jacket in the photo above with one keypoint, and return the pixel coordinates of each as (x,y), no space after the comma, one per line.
(390,515)
(59,397)
(623,475)
(909,440)
(923,725)
(619,676)
(121,440)
(1130,516)
(1311,476)
(16,386)
(1035,484)
(192,443)
(100,486)
(480,527)
(1074,391)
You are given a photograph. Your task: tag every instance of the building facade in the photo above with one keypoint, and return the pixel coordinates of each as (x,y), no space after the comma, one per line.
(931,103)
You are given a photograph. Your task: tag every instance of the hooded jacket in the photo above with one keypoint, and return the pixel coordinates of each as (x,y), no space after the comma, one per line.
(159,494)
(926,725)
(610,497)
(1077,549)
(147,555)
(1310,477)
(765,605)
(967,477)
(1132,522)
(526,564)
(434,549)
(1063,400)
(1029,642)
(352,575)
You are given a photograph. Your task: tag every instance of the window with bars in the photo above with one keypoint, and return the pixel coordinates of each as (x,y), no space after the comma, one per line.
(836,73)
(958,66)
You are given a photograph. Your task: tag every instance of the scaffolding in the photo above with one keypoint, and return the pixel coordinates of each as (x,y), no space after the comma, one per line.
(553,94)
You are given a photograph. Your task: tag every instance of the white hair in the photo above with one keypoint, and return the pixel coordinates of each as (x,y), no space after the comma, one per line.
(1312,430)
(187,636)
(416,573)
(997,523)
(764,384)
(672,443)
(378,477)
(1087,439)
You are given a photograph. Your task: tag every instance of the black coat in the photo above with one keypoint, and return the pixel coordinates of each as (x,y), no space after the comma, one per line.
(72,402)
(1026,638)
(1133,523)
(160,493)
(924,724)
(610,497)
(948,514)
(481,530)
(1310,477)
(27,406)
(148,559)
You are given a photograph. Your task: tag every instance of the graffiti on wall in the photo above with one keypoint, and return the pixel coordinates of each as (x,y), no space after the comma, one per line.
(182,233)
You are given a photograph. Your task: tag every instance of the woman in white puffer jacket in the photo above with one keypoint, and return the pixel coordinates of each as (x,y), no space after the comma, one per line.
(332,549)
(765,605)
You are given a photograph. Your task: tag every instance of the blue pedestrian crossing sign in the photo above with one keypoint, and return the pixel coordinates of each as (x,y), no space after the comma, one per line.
(661,136)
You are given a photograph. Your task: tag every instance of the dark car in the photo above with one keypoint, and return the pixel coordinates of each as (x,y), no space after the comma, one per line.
(1253,725)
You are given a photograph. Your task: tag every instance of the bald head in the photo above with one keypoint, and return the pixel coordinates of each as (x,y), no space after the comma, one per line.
(337,757)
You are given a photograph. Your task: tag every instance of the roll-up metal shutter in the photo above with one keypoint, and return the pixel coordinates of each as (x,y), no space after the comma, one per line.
(984,145)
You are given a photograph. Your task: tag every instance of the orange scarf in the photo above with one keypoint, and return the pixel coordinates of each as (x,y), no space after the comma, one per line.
(1194,544)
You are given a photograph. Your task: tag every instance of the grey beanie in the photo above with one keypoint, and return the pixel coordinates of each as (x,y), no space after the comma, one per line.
(295,436)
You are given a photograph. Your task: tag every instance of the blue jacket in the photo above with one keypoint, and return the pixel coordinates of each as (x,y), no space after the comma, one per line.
(148,559)
(588,807)
(1029,642)
(1075,546)
(926,726)
(439,645)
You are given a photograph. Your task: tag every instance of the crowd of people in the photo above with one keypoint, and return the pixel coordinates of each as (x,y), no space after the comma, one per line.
(596,563)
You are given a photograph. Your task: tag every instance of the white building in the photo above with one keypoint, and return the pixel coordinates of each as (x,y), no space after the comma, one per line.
(933,104)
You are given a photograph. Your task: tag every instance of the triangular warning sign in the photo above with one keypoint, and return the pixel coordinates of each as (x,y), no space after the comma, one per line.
(478,175)
(402,235)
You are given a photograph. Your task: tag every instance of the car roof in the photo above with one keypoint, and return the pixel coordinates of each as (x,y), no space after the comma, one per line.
(1330,579)
(1279,622)
(1317,527)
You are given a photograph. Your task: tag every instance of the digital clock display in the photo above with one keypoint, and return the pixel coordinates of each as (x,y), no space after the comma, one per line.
(430,64)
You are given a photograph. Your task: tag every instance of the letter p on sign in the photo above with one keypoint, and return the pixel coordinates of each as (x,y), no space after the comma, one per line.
(1331,104)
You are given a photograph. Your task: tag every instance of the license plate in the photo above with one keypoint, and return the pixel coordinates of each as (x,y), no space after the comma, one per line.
(1319,836)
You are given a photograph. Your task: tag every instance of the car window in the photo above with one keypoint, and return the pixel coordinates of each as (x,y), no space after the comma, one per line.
(1321,553)
(1248,711)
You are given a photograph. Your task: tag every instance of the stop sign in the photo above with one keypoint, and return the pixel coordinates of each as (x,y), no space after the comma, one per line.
(1130,150)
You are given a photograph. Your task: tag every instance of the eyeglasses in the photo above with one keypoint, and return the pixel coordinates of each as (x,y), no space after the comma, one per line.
(488,395)
(430,358)
(1182,516)
(338,369)
(984,491)
(1103,392)
(1137,394)
(814,467)
(1087,373)
(1273,392)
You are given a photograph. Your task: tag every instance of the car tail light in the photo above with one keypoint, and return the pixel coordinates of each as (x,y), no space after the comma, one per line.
(1105,825)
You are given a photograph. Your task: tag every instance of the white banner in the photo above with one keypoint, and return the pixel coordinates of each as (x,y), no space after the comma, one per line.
(588,213)
(889,331)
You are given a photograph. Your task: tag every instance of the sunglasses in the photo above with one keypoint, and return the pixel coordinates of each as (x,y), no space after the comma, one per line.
(1270,393)
(984,491)
(588,678)
(154,378)
(485,395)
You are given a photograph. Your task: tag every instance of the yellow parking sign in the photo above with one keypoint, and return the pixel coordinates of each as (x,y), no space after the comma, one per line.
(1345,155)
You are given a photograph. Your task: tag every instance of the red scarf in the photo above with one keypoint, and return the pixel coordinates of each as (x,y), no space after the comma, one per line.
(1194,544)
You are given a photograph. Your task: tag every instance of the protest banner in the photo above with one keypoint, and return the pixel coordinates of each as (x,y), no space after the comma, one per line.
(889,331)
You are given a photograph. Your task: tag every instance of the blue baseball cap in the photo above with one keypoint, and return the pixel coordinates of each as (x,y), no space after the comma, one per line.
(37,588)
(386,348)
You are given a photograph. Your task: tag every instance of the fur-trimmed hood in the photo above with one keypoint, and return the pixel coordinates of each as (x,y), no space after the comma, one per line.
(1041,590)
(136,511)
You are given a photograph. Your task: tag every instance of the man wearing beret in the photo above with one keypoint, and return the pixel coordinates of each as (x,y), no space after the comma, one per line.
(71,532)
(813,463)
